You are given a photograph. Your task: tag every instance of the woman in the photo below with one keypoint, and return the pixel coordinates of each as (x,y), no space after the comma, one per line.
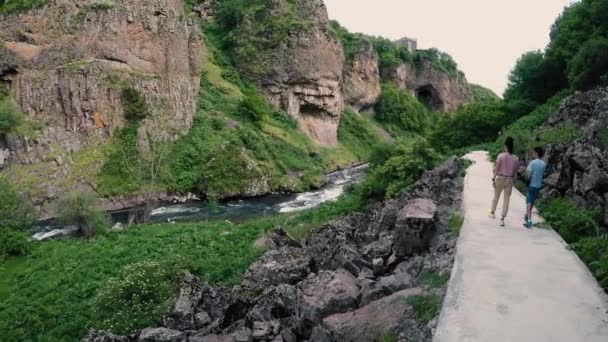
(504,173)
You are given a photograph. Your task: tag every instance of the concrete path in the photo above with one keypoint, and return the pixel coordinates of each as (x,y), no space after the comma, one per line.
(513,284)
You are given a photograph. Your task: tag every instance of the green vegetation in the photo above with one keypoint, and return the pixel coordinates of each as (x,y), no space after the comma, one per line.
(80,209)
(134,104)
(570,222)
(16,6)
(359,135)
(137,296)
(575,59)
(10,116)
(594,252)
(471,124)
(432,280)
(351,42)
(455,223)
(426,307)
(16,217)
(483,94)
(400,112)
(397,168)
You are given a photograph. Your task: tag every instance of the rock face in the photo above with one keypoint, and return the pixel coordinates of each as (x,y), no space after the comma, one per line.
(67,63)
(303,75)
(415,227)
(437,89)
(326,289)
(362,78)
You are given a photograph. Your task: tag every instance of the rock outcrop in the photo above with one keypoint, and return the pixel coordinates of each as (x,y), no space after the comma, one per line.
(579,170)
(302,75)
(346,282)
(67,63)
(362,78)
(439,90)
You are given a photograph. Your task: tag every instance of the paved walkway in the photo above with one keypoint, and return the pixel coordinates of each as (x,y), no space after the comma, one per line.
(512,284)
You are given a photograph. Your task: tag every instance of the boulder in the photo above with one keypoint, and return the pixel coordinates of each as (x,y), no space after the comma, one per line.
(384,317)
(278,238)
(325,294)
(265,330)
(211,338)
(286,265)
(415,227)
(276,303)
(183,315)
(370,291)
(161,335)
(103,336)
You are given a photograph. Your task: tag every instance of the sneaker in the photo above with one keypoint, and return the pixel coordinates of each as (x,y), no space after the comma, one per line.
(491,214)
(502,222)
(528,224)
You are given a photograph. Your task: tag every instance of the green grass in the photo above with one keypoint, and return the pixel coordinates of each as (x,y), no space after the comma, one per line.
(426,307)
(17,6)
(455,223)
(432,279)
(49,294)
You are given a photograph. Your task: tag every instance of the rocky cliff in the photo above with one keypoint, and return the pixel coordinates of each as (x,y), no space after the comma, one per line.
(362,78)
(579,170)
(440,90)
(354,279)
(67,64)
(301,74)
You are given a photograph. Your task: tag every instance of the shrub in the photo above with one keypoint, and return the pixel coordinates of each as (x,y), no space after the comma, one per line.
(142,292)
(16,6)
(594,252)
(10,116)
(134,104)
(426,307)
(80,209)
(407,163)
(569,221)
(399,109)
(254,107)
(14,243)
(471,124)
(16,212)
(589,64)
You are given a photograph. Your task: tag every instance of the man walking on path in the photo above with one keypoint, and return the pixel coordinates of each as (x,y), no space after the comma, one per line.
(536,171)
(504,173)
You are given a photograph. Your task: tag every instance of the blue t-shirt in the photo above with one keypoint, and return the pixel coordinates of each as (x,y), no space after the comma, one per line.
(536,171)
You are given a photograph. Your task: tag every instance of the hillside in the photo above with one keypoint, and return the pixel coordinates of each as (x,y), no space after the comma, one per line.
(136,101)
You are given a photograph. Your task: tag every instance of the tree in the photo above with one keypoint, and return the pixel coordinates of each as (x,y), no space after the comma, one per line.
(80,209)
(588,66)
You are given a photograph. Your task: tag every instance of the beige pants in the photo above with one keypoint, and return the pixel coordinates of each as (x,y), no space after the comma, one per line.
(502,184)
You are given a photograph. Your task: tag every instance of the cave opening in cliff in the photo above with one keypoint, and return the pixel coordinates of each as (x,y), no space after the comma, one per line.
(6,81)
(308,109)
(429,96)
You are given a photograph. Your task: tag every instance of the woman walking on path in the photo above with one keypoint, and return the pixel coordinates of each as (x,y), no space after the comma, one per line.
(504,173)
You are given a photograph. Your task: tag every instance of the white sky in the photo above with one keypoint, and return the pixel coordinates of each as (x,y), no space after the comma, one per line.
(485,37)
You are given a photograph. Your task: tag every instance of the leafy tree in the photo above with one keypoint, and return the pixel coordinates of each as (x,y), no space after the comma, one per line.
(399,108)
(80,209)
(587,67)
(482,94)
(471,124)
(134,104)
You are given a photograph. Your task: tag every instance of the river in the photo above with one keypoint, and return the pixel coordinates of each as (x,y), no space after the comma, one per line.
(235,210)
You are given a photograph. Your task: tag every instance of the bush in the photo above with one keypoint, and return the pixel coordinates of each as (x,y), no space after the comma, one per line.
(589,64)
(10,116)
(80,209)
(134,104)
(16,6)
(570,222)
(254,107)
(594,252)
(14,243)
(16,212)
(471,124)
(426,307)
(400,111)
(141,293)
(407,163)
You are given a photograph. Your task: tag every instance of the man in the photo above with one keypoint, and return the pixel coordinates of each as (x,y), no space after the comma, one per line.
(536,171)
(504,173)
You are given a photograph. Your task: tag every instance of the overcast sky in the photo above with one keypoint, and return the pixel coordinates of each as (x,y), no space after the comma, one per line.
(485,37)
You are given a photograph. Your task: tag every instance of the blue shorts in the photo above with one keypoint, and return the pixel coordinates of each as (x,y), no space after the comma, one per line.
(533,193)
